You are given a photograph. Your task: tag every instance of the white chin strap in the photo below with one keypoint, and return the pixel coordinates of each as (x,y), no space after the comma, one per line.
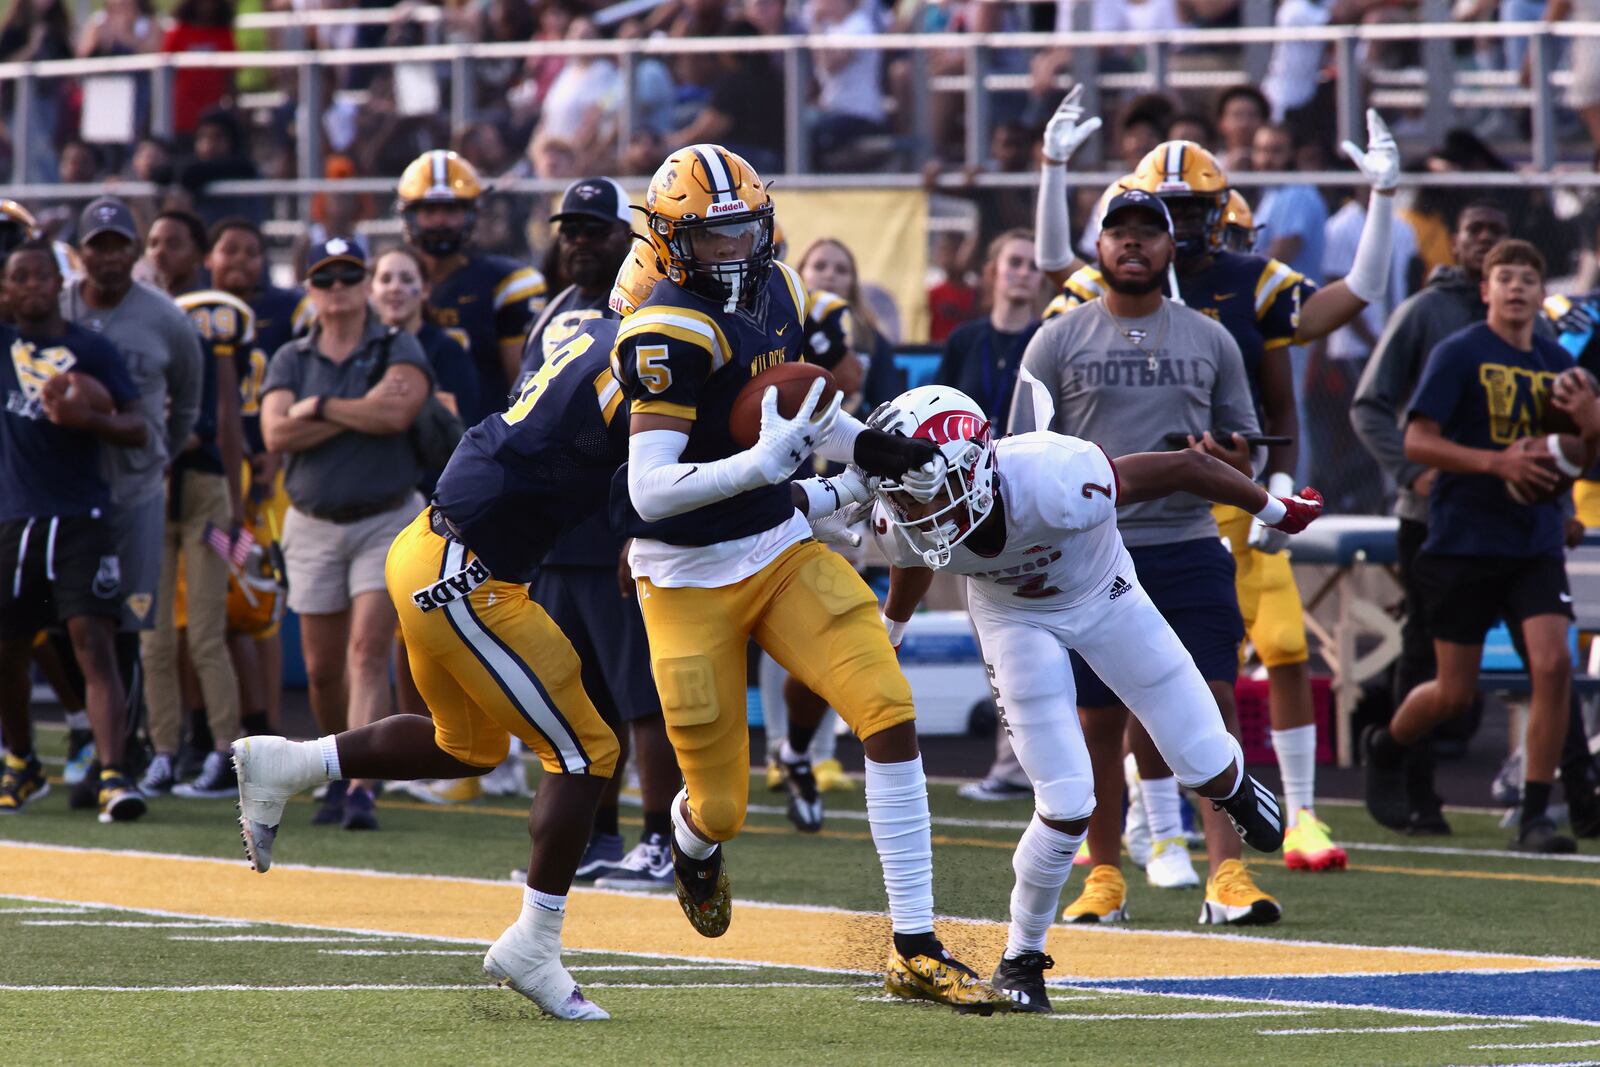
(733,293)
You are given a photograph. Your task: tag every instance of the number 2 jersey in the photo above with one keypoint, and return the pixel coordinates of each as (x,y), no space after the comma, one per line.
(1062,548)
(521,478)
(684,356)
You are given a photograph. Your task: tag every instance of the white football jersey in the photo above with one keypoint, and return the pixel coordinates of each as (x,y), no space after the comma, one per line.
(1062,547)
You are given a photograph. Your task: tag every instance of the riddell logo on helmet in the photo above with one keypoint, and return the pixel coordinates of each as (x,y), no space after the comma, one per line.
(729,208)
(953,426)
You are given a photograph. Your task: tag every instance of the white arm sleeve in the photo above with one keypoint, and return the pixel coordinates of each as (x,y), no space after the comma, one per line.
(1369,274)
(1052,243)
(838,445)
(660,486)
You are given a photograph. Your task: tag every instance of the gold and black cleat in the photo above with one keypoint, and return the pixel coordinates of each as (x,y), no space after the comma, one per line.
(942,979)
(703,891)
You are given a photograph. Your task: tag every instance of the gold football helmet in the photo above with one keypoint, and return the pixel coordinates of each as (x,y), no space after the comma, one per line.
(17,224)
(710,223)
(638,276)
(1192,182)
(1238,224)
(439,177)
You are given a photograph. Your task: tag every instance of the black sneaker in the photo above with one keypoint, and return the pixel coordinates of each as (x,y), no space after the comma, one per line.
(1022,979)
(360,810)
(1255,814)
(805,802)
(216,779)
(1539,835)
(159,777)
(1387,799)
(1583,806)
(22,782)
(703,891)
(120,799)
(331,811)
(85,796)
(601,856)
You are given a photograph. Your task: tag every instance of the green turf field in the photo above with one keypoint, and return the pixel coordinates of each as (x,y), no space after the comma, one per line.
(109,970)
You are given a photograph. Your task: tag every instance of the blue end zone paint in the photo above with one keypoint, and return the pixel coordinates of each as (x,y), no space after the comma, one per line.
(1572,995)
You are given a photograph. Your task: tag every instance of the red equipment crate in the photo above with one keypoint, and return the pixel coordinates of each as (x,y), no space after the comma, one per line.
(1255,723)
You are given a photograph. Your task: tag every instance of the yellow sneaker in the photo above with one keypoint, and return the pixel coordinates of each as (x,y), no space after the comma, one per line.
(775,776)
(1104,898)
(942,979)
(1233,898)
(442,790)
(831,777)
(1307,846)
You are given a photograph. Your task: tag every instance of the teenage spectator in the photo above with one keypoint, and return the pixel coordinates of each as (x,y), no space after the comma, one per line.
(202,494)
(1487,556)
(221,153)
(199,26)
(849,80)
(56,545)
(953,299)
(582,101)
(1289,218)
(339,403)
(35,31)
(399,293)
(982,356)
(163,356)
(1241,111)
(744,107)
(828,264)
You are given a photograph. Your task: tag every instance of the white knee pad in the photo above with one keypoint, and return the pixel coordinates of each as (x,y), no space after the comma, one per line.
(1064,799)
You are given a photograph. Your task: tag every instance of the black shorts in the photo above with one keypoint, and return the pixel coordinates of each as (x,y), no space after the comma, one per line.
(56,568)
(1463,596)
(608,634)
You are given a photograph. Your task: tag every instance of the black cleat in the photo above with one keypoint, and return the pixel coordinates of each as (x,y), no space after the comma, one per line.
(805,801)
(1022,979)
(1386,789)
(1540,836)
(1255,814)
(703,891)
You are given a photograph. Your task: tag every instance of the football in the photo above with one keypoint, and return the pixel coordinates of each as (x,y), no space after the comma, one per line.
(1571,451)
(74,385)
(1557,421)
(793,381)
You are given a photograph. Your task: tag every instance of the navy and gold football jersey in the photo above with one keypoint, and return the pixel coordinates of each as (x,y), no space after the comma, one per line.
(488,301)
(281,315)
(522,477)
(828,328)
(683,356)
(227,327)
(1256,299)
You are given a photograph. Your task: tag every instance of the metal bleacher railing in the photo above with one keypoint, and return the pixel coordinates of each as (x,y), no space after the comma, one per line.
(1435,90)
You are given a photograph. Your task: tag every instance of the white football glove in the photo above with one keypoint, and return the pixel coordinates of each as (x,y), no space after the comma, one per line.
(1380,162)
(785,443)
(1264,538)
(924,482)
(840,527)
(1068,129)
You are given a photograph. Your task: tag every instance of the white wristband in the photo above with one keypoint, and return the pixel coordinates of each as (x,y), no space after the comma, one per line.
(896,629)
(1563,464)
(1273,512)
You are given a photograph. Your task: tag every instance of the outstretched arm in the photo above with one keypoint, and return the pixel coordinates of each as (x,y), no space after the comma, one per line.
(1151,475)
(1052,242)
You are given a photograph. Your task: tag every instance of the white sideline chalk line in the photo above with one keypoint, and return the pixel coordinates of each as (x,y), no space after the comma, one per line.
(135,924)
(388,987)
(1391,1029)
(1543,1044)
(1172,1015)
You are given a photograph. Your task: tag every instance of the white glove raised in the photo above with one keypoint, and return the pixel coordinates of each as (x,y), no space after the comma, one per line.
(1380,162)
(1068,129)
(924,482)
(785,443)
(839,527)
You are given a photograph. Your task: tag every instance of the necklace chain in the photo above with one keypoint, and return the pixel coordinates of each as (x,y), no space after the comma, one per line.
(1149,353)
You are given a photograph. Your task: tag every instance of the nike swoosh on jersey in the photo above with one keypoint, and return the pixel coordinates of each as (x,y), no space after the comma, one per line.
(1220,297)
(780,329)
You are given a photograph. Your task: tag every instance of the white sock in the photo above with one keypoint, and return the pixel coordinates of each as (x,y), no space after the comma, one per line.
(1043,861)
(690,843)
(1164,807)
(330,757)
(826,741)
(541,918)
(1297,763)
(774,709)
(787,754)
(902,831)
(78,720)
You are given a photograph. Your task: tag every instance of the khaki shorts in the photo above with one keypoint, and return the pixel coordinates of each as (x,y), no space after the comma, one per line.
(330,563)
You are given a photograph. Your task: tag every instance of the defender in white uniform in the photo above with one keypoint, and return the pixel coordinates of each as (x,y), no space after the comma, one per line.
(1031,520)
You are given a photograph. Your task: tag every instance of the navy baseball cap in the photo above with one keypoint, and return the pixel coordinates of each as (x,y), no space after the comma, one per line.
(335,250)
(107,214)
(594,198)
(1137,200)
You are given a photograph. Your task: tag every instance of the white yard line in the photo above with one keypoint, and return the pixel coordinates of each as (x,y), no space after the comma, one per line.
(1391,1029)
(270,938)
(381,987)
(1173,1015)
(1543,1044)
(135,924)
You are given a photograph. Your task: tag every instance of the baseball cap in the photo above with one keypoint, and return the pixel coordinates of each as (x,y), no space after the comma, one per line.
(594,198)
(1137,200)
(335,249)
(106,214)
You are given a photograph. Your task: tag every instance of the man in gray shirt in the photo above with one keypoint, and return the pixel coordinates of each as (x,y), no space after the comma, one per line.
(163,355)
(1125,371)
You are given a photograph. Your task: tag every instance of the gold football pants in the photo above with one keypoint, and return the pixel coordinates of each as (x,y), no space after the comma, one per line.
(1268,598)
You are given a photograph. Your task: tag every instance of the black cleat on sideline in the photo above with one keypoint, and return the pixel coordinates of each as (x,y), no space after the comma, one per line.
(805,801)
(1022,979)
(1386,787)
(1540,836)
(1256,815)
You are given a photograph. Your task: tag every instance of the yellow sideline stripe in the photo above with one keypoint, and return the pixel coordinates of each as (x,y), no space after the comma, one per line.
(761,933)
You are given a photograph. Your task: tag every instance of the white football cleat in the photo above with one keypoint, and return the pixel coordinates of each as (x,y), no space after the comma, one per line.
(513,962)
(1170,866)
(1136,824)
(270,771)
(509,778)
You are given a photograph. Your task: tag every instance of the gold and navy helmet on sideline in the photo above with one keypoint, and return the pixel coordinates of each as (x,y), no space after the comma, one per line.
(1238,224)
(636,278)
(17,224)
(439,177)
(1193,184)
(710,222)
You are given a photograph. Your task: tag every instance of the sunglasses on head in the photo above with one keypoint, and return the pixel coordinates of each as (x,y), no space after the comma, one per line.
(341,273)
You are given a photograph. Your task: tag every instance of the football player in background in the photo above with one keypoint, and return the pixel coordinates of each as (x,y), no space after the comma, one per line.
(485,302)
(1031,521)
(1266,307)
(721,552)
